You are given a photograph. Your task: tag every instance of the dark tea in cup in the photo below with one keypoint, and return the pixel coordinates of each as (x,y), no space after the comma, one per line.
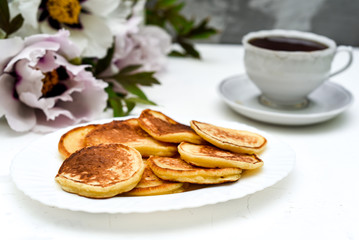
(278,43)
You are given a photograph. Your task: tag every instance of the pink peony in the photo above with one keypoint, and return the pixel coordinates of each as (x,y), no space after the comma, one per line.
(40,90)
(141,45)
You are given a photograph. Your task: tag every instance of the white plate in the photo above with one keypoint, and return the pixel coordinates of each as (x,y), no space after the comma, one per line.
(326,102)
(33,170)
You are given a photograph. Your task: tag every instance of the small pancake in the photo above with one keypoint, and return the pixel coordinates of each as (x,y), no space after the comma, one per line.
(101,171)
(234,140)
(164,128)
(130,133)
(150,184)
(176,169)
(210,156)
(73,140)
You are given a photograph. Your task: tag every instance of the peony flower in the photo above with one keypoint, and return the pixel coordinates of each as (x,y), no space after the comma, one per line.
(88,21)
(147,46)
(40,90)
(135,44)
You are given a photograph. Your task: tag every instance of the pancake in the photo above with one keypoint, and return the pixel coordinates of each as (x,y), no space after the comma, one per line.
(176,169)
(210,156)
(150,184)
(164,128)
(73,140)
(234,140)
(101,171)
(130,133)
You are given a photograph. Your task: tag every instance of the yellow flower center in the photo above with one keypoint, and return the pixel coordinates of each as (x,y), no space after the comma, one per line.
(64,11)
(49,82)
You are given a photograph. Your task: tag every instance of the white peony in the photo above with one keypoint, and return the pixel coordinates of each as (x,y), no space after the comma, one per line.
(90,22)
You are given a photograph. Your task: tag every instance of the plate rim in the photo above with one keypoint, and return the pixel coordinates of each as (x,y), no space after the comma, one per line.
(289,166)
(310,117)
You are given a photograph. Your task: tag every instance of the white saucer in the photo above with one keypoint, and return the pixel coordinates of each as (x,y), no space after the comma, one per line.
(326,102)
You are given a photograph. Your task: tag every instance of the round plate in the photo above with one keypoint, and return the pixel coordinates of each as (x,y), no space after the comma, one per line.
(326,102)
(33,170)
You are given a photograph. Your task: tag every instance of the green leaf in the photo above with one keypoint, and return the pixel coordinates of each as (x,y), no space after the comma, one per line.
(116,105)
(165,3)
(180,23)
(88,61)
(175,53)
(167,14)
(114,101)
(130,105)
(190,50)
(154,18)
(177,8)
(140,100)
(103,63)
(2,34)
(201,31)
(132,88)
(15,24)
(142,78)
(203,35)
(4,15)
(129,69)
(76,61)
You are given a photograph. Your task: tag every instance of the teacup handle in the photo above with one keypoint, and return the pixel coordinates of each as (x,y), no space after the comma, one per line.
(349,50)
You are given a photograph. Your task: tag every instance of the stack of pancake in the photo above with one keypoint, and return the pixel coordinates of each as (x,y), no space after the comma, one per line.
(153,154)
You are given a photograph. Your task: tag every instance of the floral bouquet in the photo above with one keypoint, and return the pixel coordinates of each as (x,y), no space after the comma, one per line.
(63,62)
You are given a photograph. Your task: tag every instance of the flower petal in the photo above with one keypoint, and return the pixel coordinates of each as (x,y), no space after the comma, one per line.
(67,48)
(19,116)
(48,62)
(100,7)
(28,79)
(98,34)
(9,48)
(63,119)
(28,10)
(32,53)
(74,69)
(93,40)
(89,103)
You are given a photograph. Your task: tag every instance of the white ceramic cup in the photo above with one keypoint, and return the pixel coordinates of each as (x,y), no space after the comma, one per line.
(286,78)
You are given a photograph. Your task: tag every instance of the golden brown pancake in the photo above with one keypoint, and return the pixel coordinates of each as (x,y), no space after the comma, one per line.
(210,156)
(73,140)
(101,171)
(150,184)
(176,169)
(129,132)
(230,139)
(164,128)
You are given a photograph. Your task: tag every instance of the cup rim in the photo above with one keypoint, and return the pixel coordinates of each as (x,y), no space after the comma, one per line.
(289,33)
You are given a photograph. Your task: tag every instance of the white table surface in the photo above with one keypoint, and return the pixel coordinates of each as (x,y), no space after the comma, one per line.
(317,200)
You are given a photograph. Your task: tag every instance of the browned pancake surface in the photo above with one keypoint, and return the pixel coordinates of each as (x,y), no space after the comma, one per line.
(211,156)
(164,128)
(99,166)
(161,124)
(126,131)
(207,150)
(129,132)
(230,139)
